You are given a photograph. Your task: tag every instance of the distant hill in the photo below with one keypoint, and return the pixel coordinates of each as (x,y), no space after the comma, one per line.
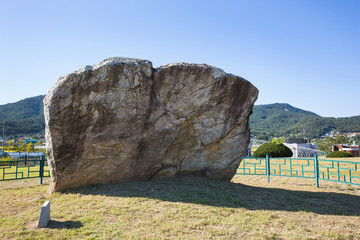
(23,117)
(281,119)
(278,119)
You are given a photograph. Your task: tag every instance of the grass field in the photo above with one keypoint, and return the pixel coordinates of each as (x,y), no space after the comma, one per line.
(15,172)
(337,169)
(185,208)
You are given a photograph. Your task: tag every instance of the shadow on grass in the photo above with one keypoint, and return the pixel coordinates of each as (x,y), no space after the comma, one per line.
(233,195)
(54,224)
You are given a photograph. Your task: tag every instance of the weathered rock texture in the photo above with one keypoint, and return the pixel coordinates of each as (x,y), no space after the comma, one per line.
(123,120)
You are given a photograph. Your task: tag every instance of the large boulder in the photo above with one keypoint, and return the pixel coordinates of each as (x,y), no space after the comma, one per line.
(123,120)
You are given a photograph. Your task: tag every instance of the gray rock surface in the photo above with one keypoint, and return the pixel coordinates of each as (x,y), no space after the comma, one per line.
(123,120)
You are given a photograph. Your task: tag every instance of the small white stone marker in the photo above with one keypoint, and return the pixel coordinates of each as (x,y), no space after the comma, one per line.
(44,215)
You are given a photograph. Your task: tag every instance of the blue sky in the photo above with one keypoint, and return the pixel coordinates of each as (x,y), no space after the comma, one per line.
(305,53)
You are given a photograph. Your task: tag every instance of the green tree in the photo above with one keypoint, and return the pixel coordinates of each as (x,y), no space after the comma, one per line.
(273,150)
(30,148)
(339,154)
(326,144)
(340,139)
(37,146)
(20,148)
(356,138)
(10,145)
(278,140)
(262,136)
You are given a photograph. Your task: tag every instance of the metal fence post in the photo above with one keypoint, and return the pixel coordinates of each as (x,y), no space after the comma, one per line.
(268,167)
(41,168)
(316,170)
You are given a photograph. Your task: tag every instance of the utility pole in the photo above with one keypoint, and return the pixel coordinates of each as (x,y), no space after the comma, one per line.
(3,138)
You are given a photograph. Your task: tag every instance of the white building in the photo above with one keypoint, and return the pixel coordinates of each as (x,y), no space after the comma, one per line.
(302,147)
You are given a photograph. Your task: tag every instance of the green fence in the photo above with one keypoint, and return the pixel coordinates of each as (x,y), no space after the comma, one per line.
(24,167)
(317,169)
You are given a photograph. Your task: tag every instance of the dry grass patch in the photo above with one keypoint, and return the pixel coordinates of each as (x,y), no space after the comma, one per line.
(184,208)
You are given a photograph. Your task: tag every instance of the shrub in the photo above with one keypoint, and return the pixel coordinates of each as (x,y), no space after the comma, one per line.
(339,154)
(273,149)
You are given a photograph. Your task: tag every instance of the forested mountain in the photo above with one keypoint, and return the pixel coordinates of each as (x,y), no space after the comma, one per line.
(281,119)
(23,117)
